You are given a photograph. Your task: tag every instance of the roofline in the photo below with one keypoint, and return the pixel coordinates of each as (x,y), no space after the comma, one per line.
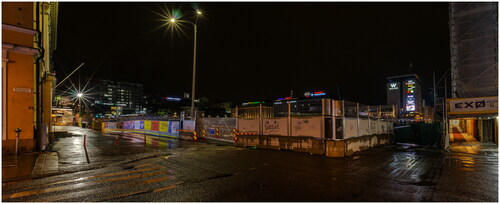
(401,76)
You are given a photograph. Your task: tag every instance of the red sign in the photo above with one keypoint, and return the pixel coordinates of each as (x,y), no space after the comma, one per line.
(155,125)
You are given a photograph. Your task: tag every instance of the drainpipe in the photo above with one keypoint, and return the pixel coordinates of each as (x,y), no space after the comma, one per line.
(39,92)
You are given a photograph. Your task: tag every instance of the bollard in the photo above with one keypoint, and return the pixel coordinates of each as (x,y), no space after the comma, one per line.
(18,131)
(116,140)
(85,140)
(204,133)
(194,136)
(217,132)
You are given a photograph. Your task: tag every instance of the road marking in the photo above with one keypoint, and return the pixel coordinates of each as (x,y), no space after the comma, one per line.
(165,188)
(132,177)
(85,194)
(60,188)
(128,172)
(99,176)
(134,184)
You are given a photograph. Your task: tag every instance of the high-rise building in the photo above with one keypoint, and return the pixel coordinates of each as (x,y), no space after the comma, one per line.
(405,92)
(117,98)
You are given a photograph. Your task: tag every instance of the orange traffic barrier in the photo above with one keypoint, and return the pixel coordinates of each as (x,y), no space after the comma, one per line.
(235,136)
(246,133)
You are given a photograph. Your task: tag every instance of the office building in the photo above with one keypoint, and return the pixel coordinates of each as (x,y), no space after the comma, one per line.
(405,92)
(117,98)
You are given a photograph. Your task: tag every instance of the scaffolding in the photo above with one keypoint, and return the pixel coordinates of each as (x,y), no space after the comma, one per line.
(474,49)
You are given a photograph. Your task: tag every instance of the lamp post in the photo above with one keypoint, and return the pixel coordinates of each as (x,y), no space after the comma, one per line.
(79,95)
(173,20)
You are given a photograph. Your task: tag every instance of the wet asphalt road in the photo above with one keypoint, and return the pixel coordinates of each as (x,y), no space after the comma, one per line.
(166,170)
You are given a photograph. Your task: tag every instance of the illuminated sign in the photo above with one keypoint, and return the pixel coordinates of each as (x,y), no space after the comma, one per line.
(410,85)
(473,105)
(252,103)
(393,86)
(286,98)
(172,99)
(317,93)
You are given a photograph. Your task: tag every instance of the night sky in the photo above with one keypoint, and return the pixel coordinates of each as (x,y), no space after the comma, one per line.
(257,50)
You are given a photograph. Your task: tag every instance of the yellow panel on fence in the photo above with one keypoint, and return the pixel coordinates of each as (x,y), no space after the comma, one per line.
(163,126)
(147,125)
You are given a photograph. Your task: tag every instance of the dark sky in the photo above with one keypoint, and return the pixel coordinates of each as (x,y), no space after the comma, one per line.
(258,50)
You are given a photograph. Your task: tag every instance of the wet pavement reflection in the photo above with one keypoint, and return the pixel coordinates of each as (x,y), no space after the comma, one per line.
(102,148)
(193,172)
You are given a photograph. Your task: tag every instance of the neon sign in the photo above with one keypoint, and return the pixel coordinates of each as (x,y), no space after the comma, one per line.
(314,94)
(172,99)
(410,97)
(393,86)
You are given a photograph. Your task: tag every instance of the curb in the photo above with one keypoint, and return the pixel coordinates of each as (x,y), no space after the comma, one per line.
(219,141)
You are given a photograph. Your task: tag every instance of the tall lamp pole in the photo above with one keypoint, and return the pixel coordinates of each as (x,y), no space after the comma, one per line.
(193,87)
(194,68)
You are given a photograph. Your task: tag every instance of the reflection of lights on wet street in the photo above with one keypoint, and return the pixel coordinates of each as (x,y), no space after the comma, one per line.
(76,141)
(76,132)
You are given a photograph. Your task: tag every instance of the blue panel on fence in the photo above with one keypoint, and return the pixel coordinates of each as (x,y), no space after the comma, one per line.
(173,126)
(211,131)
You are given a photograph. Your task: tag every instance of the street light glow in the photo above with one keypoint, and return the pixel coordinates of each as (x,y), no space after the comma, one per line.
(172,20)
(198,12)
(79,95)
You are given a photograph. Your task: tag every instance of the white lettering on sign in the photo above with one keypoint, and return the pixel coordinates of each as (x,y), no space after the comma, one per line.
(474,105)
(22,90)
(393,86)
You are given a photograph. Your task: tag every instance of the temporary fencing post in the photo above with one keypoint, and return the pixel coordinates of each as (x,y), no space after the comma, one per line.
(235,131)
(194,136)
(217,132)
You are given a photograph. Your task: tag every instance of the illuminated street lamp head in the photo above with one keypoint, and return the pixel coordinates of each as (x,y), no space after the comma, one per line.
(79,95)
(172,20)
(198,12)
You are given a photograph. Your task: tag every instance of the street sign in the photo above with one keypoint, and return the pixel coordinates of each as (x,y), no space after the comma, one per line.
(22,90)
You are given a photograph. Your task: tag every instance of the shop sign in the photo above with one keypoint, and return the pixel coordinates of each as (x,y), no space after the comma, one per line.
(473,105)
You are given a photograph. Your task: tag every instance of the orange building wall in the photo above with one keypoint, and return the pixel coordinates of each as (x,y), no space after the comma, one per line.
(17,38)
(20,106)
(19,72)
(18,14)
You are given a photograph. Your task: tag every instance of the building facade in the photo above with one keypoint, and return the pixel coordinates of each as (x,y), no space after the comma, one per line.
(405,92)
(117,98)
(473,109)
(28,41)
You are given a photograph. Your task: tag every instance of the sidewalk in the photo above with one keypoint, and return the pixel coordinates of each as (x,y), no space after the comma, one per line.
(28,165)
(474,148)
(70,154)
(83,149)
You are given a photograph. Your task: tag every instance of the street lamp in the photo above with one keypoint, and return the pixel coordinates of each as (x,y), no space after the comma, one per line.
(79,95)
(173,20)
